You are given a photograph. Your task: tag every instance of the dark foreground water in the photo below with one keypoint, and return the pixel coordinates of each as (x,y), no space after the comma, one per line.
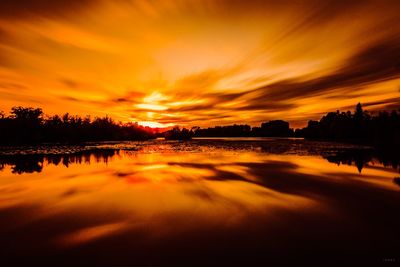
(247,202)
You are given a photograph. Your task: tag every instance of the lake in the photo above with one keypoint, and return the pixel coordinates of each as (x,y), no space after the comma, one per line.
(202,202)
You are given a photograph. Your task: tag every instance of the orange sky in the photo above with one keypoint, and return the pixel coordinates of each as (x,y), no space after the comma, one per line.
(199,62)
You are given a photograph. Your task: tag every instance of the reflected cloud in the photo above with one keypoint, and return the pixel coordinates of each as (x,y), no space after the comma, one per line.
(136,199)
(90,234)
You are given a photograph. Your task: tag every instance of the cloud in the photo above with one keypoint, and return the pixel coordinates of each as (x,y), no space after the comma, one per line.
(70,98)
(212,61)
(130,97)
(12,86)
(198,81)
(70,83)
(389,104)
(23,9)
(376,63)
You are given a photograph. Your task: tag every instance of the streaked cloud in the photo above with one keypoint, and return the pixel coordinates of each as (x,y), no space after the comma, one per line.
(203,62)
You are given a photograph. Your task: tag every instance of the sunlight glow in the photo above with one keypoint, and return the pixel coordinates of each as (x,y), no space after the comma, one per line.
(151,106)
(154,124)
(202,62)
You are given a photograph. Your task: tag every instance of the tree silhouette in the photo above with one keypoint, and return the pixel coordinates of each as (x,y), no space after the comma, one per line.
(32,115)
(178,134)
(29,126)
(360,127)
(359,112)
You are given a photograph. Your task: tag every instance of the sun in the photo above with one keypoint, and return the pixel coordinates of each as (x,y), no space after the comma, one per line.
(153,124)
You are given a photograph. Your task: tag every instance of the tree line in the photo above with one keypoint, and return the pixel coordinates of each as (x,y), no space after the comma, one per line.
(359,126)
(275,128)
(27,125)
(30,125)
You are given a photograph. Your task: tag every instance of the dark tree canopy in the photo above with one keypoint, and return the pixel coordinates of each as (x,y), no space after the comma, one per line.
(27,114)
(360,127)
(30,125)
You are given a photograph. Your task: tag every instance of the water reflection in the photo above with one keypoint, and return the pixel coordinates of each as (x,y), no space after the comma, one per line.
(360,158)
(34,163)
(116,207)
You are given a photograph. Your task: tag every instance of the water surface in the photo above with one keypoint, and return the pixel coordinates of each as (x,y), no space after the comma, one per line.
(207,201)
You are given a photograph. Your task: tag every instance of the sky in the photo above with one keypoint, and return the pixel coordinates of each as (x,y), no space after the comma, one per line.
(200,62)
